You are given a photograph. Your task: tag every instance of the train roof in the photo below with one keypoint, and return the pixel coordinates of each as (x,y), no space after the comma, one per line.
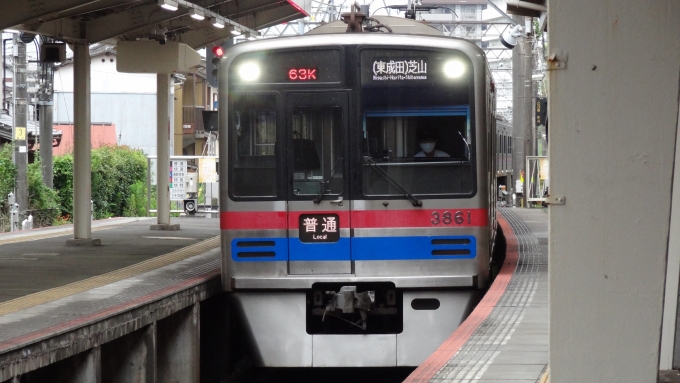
(399,25)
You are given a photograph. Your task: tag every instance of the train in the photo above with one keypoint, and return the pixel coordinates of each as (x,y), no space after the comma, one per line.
(358,191)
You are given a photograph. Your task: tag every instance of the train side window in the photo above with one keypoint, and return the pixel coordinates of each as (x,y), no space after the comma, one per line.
(253,146)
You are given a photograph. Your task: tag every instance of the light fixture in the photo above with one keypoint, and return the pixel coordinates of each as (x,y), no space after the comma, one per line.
(235,31)
(170,5)
(217,23)
(509,37)
(251,35)
(454,69)
(249,71)
(196,14)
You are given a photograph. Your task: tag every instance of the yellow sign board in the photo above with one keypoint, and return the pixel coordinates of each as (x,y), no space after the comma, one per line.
(544,169)
(19,133)
(207,170)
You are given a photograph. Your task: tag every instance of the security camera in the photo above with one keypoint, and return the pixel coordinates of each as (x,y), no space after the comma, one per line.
(509,37)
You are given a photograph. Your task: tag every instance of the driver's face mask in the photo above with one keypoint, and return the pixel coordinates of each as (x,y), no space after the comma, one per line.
(427,147)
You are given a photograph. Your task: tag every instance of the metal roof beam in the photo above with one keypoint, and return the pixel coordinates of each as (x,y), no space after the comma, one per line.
(129,21)
(272,16)
(89,7)
(205,36)
(18,12)
(254,14)
(67,30)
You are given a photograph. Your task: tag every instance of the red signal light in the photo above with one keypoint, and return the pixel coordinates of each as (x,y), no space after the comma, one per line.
(218,51)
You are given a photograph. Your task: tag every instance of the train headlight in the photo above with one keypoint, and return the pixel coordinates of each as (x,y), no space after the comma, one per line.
(249,71)
(454,69)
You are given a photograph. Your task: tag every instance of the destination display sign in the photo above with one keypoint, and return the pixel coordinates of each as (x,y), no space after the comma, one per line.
(411,67)
(302,74)
(319,228)
(291,66)
(400,69)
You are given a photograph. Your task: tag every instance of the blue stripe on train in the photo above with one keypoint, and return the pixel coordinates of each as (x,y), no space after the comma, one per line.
(407,248)
(259,249)
(363,249)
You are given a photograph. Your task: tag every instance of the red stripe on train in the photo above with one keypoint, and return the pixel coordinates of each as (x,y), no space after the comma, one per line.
(252,220)
(361,219)
(366,219)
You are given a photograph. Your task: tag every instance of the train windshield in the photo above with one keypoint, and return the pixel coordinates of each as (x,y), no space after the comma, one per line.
(426,153)
(417,124)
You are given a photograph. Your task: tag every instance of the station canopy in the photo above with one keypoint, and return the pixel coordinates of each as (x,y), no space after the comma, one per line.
(107,21)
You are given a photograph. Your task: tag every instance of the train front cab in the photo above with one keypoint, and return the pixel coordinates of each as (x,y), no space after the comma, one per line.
(342,245)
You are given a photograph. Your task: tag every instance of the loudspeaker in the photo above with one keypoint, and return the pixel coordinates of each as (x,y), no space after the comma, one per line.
(52,52)
(210,121)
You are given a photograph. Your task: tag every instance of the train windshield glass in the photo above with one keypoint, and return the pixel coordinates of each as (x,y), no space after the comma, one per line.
(253,133)
(425,153)
(418,131)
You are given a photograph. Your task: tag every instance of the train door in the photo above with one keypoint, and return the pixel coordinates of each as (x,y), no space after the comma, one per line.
(318,215)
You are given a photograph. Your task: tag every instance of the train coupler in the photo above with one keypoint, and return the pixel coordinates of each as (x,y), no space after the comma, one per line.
(348,300)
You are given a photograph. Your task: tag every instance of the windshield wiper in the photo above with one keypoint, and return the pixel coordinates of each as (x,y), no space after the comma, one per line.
(467,146)
(325,184)
(414,200)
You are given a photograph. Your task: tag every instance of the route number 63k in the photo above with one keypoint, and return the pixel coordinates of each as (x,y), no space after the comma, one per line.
(448,218)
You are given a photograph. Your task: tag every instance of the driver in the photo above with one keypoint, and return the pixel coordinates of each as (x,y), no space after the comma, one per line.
(428,141)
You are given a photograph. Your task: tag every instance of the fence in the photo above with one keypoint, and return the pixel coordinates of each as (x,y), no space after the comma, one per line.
(41,218)
(192,178)
(44,217)
(4,219)
(538,178)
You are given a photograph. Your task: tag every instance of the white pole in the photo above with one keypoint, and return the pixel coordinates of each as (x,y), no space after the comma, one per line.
(82,161)
(670,307)
(163,148)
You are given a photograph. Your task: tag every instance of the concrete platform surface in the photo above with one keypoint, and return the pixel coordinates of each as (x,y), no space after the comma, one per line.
(36,260)
(140,289)
(506,337)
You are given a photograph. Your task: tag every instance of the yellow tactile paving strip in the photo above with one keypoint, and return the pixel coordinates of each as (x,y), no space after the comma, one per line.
(103,279)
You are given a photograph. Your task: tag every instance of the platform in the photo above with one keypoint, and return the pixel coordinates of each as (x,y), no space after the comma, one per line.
(506,337)
(37,260)
(59,301)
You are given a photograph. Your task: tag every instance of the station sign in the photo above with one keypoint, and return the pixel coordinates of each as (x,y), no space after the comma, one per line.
(541,111)
(178,174)
(207,170)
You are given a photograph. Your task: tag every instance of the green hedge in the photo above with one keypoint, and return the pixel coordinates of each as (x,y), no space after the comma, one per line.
(118,182)
(7,173)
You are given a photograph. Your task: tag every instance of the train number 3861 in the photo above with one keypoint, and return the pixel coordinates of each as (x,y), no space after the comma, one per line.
(448,218)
